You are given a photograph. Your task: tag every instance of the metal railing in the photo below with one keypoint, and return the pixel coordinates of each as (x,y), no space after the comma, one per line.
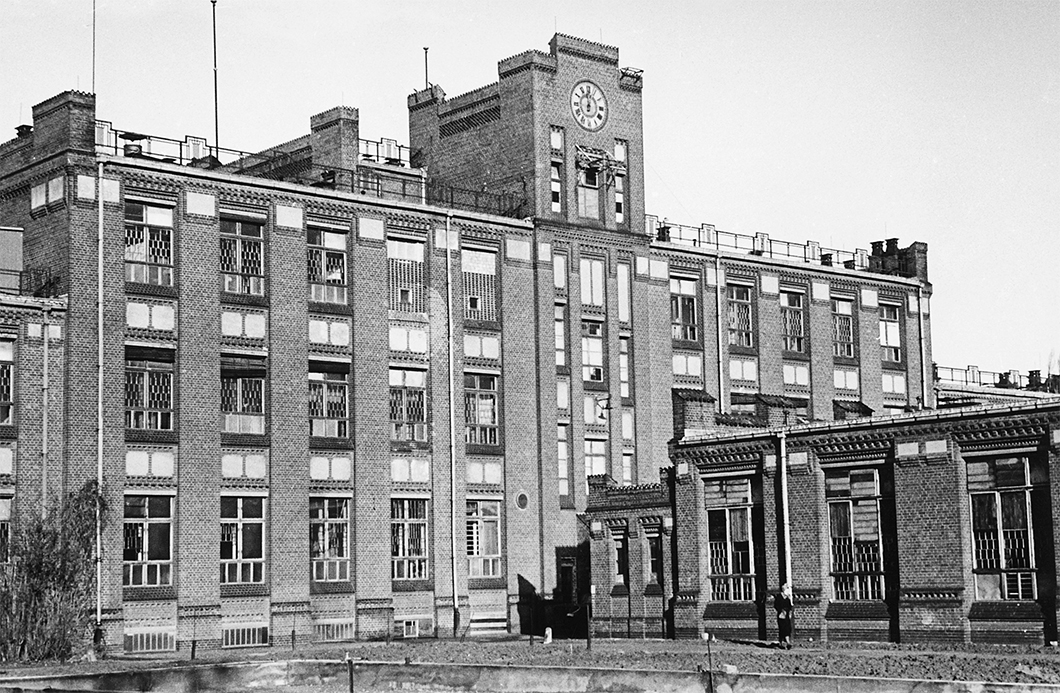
(973,376)
(41,282)
(389,176)
(707,236)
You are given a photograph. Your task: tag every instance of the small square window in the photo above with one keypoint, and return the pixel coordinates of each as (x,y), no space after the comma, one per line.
(473,302)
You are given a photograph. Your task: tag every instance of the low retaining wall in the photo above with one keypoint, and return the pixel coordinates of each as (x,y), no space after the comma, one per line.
(332,677)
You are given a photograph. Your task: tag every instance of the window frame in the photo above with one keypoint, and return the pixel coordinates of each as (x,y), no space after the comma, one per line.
(149,259)
(404,427)
(239,569)
(331,382)
(1014,582)
(322,253)
(854,577)
(890,319)
(731,569)
(479,525)
(243,415)
(143,571)
(843,322)
(593,278)
(793,320)
(478,431)
(329,560)
(409,551)
(7,382)
(241,279)
(740,307)
(684,308)
(141,410)
(594,352)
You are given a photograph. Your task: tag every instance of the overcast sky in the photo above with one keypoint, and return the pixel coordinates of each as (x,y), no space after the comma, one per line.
(842,122)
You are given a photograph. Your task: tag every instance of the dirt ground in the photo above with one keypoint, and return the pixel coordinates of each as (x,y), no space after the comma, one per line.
(966,663)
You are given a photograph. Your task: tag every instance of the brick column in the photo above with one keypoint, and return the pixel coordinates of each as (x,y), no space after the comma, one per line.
(934,565)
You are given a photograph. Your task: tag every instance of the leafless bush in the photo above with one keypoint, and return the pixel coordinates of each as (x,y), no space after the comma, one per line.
(47,585)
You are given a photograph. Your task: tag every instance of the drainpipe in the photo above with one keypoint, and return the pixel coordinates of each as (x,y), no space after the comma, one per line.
(923,346)
(717,311)
(99,399)
(785,517)
(452,414)
(44,420)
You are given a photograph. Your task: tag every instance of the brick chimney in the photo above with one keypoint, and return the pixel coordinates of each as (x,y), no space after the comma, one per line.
(693,412)
(63,122)
(334,137)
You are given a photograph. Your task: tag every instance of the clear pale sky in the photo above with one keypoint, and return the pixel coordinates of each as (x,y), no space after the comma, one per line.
(842,122)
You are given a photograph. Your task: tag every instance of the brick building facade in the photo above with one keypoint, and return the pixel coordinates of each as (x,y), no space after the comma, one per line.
(923,527)
(418,355)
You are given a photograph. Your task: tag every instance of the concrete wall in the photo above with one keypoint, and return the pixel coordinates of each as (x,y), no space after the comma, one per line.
(386,676)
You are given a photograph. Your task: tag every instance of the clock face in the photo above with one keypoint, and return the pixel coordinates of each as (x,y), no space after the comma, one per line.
(588,105)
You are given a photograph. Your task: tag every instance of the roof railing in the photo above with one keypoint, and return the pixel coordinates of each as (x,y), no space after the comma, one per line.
(707,236)
(394,180)
(973,376)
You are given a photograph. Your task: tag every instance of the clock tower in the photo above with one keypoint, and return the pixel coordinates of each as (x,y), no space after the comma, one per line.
(559,133)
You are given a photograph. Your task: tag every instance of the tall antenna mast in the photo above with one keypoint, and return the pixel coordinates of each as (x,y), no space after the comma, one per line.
(93,46)
(216,126)
(426,81)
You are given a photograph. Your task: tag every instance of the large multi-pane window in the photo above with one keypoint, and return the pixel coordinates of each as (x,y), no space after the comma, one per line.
(563,464)
(592,351)
(595,459)
(242,396)
(328,404)
(480,409)
(1002,537)
(655,557)
(242,539)
(483,538)
(729,539)
(623,271)
(684,320)
(408,405)
(326,265)
(148,244)
(147,556)
(741,325)
(842,327)
(591,273)
(149,394)
(7,382)
(792,313)
(329,538)
(556,185)
(480,284)
(621,150)
(408,538)
(561,335)
(559,272)
(405,267)
(623,365)
(242,264)
(854,530)
(890,333)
